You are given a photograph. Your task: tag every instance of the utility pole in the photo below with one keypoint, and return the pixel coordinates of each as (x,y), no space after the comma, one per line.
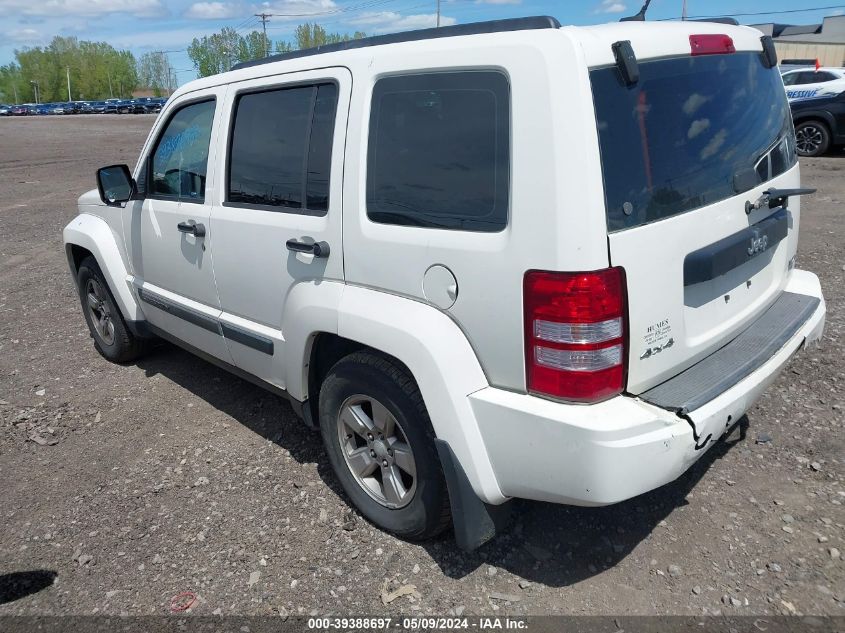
(35,89)
(15,88)
(438,13)
(264,17)
(69,98)
(111,92)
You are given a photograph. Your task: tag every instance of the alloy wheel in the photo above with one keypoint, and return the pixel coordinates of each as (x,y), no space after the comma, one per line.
(809,139)
(98,309)
(376,451)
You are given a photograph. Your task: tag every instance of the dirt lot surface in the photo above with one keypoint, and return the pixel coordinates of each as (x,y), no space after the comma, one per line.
(134,483)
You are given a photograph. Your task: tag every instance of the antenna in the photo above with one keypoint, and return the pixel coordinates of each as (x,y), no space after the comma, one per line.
(640,17)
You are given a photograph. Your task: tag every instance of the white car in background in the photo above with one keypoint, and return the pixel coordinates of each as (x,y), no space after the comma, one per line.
(811,83)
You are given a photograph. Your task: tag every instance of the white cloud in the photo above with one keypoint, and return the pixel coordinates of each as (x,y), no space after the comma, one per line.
(611,6)
(213,11)
(697,127)
(23,36)
(297,9)
(158,39)
(715,143)
(694,102)
(61,8)
(391,21)
(279,10)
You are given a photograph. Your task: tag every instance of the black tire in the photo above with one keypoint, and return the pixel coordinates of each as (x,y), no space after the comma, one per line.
(124,346)
(376,376)
(812,138)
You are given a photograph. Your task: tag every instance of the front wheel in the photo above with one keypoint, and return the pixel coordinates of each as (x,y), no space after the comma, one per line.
(812,138)
(381,445)
(111,337)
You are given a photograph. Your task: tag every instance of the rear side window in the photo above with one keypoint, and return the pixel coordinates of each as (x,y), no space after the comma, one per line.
(439,151)
(678,139)
(281,149)
(180,160)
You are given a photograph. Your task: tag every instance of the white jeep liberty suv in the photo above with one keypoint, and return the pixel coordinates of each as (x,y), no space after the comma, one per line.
(495,260)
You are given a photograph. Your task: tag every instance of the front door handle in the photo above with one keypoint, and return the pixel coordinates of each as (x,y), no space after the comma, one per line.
(317,249)
(192,227)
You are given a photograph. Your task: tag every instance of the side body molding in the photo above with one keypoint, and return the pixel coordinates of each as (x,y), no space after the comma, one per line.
(95,235)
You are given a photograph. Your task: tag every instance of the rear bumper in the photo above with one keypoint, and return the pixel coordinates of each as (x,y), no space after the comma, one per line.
(608,452)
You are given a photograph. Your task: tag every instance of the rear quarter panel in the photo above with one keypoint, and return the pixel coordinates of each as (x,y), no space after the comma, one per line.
(556,217)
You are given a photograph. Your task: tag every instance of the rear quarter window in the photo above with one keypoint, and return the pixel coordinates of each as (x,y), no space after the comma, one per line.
(439,151)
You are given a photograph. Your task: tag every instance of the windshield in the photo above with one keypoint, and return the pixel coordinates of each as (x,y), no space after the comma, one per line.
(675,140)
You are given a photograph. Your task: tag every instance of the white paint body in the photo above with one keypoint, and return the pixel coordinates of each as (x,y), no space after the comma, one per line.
(467,357)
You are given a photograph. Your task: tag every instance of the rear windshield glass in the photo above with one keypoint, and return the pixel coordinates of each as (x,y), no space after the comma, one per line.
(676,140)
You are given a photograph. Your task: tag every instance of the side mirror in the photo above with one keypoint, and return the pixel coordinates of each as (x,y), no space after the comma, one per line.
(115,184)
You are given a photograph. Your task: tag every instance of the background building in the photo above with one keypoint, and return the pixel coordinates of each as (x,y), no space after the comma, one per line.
(825,41)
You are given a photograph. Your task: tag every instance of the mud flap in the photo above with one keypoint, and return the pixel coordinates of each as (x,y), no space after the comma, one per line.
(474,521)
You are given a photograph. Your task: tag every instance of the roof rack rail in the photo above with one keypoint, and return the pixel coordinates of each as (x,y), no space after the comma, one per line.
(474,28)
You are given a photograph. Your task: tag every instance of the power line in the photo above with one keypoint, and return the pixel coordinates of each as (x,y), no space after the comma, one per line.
(365,5)
(250,24)
(743,15)
(242,22)
(346,19)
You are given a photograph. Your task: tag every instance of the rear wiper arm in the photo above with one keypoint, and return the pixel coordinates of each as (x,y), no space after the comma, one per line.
(776,198)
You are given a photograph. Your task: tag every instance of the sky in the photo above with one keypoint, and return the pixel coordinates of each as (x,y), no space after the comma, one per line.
(170,25)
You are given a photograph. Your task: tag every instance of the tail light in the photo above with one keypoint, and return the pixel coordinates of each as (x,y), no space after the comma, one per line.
(575,334)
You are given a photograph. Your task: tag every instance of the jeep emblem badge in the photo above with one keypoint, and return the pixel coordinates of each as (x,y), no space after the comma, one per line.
(758,244)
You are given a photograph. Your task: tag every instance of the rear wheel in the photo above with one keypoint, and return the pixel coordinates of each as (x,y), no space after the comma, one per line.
(111,337)
(381,445)
(812,138)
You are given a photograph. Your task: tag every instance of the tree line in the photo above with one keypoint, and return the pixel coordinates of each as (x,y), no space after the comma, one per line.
(217,53)
(96,70)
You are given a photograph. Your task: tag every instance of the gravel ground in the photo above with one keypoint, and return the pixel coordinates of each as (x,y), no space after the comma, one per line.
(130,484)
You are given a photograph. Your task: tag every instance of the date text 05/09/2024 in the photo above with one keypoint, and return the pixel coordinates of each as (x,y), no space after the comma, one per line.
(417,623)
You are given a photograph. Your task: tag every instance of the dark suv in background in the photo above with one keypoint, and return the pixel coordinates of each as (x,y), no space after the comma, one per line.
(819,123)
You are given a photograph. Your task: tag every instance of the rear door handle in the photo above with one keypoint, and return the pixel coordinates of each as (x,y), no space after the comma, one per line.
(191,227)
(317,249)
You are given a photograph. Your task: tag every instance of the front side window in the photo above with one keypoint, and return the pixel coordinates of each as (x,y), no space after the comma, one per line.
(439,151)
(180,159)
(281,149)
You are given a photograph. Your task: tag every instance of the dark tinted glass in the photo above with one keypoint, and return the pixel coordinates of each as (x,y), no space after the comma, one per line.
(674,141)
(180,160)
(320,148)
(268,147)
(439,151)
(273,135)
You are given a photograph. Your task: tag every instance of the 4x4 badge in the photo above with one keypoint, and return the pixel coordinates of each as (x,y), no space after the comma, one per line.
(651,351)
